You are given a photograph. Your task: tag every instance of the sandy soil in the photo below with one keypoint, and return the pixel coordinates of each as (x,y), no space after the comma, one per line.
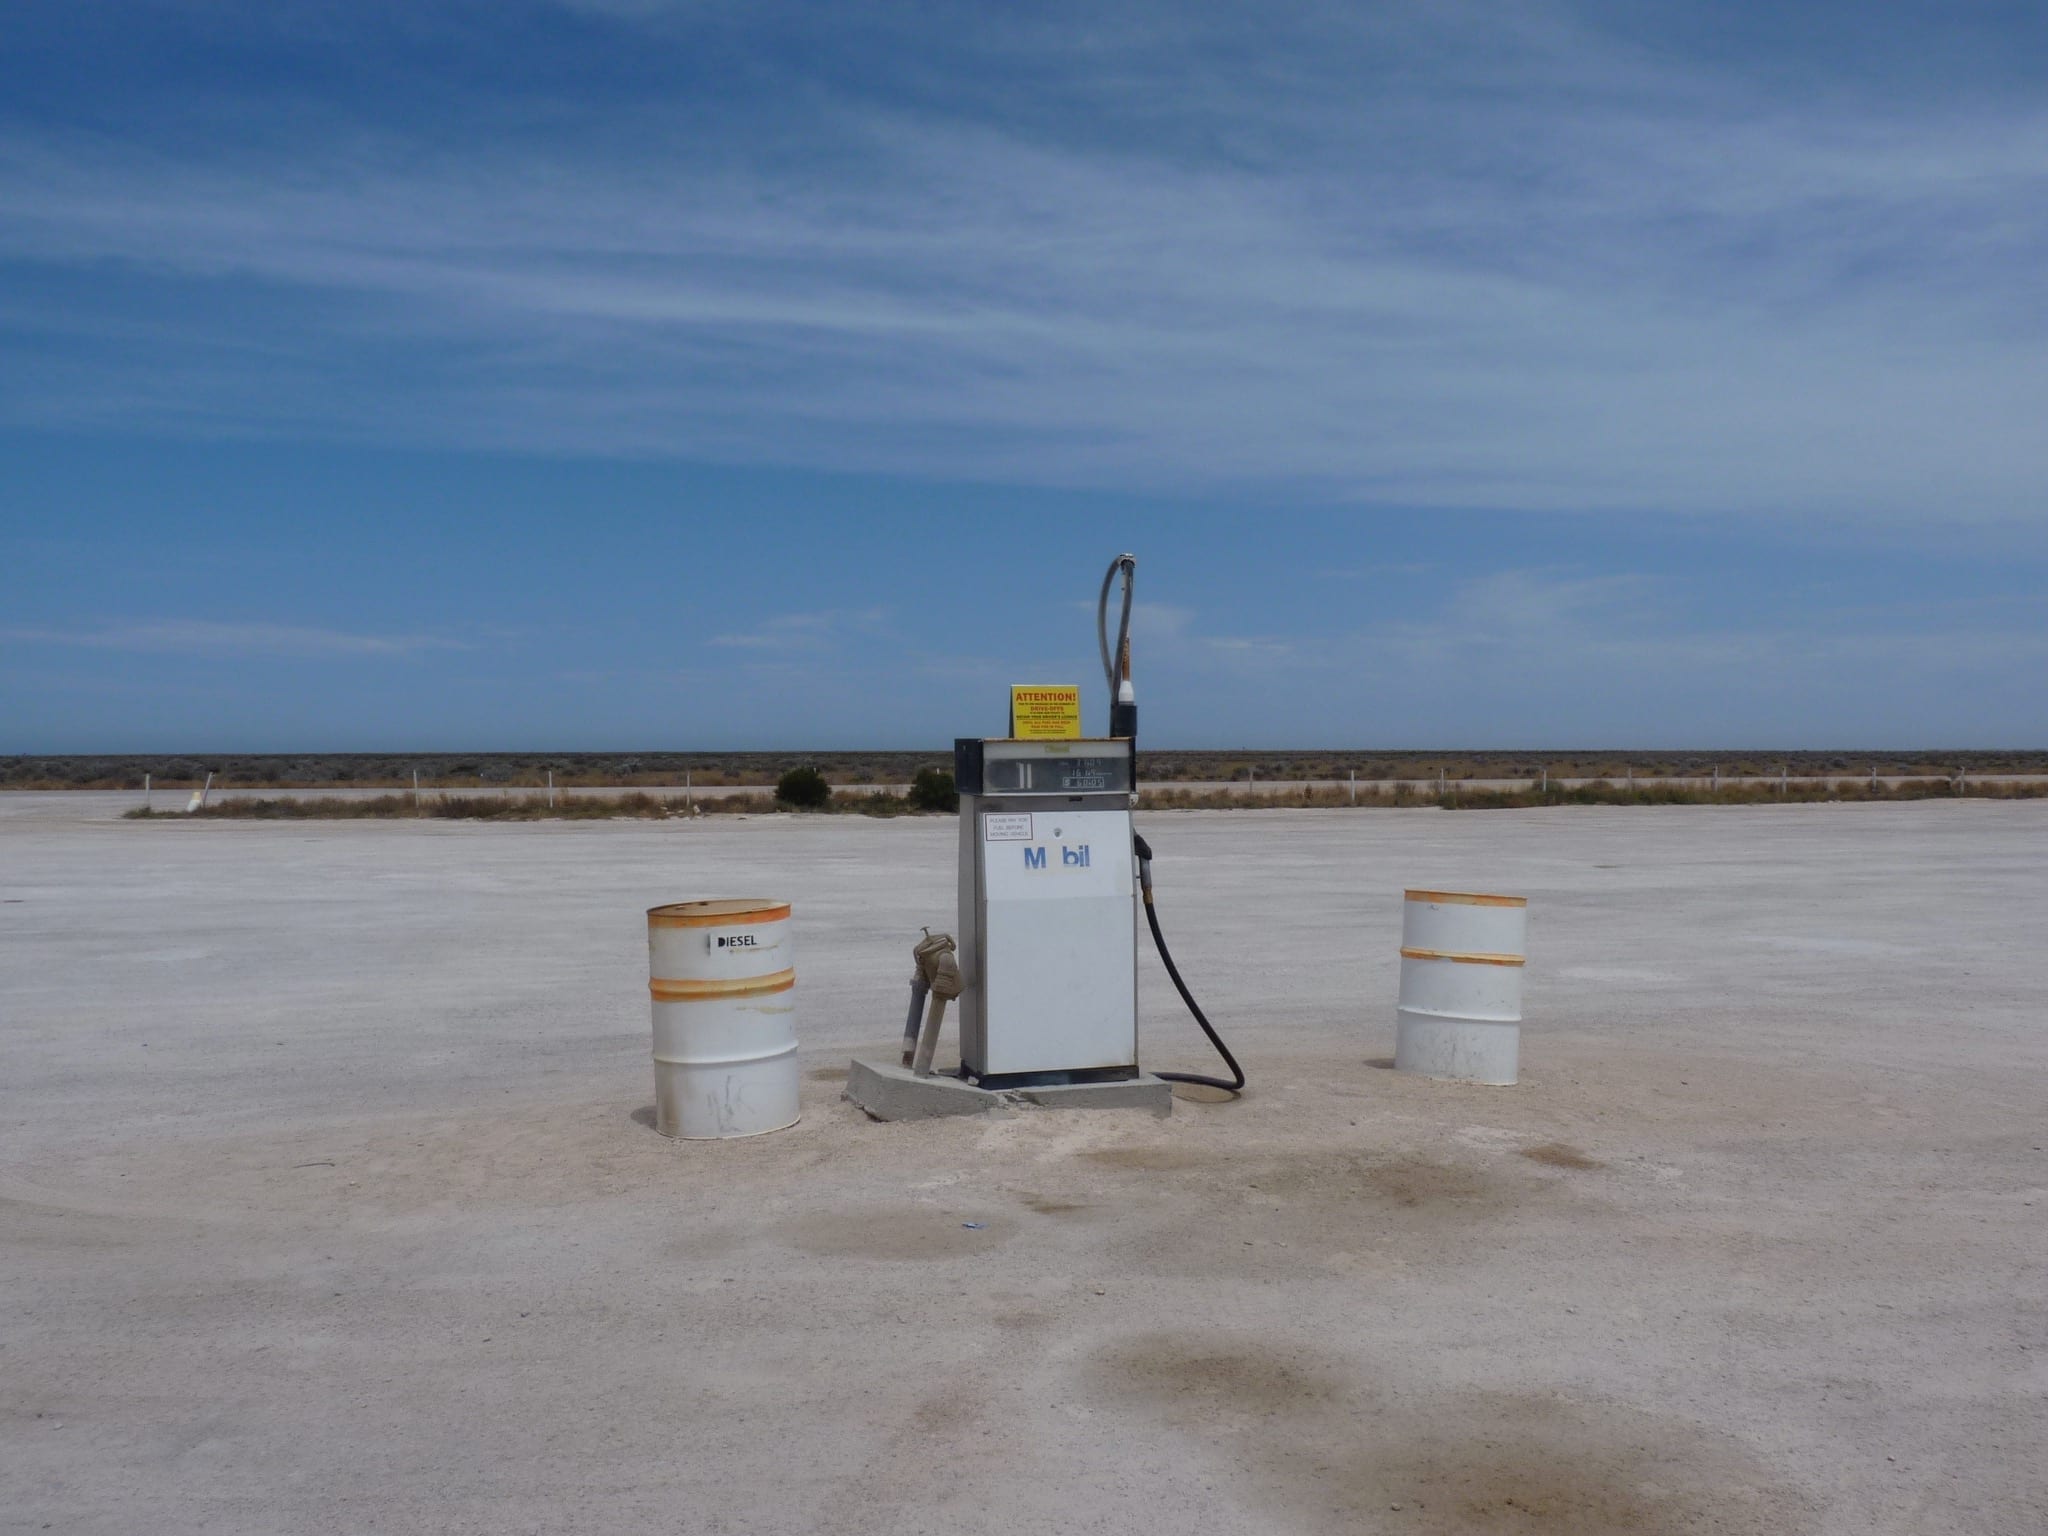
(328,1198)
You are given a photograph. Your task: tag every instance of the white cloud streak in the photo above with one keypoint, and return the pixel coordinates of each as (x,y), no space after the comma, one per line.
(199,637)
(830,629)
(1617,283)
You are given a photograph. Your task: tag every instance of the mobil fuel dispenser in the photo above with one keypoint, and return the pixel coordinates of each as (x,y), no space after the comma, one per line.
(1047,932)
(1052,876)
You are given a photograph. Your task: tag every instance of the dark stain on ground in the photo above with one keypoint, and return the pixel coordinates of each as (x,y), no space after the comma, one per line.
(1559,1154)
(1337,1451)
(643,1116)
(1382,1063)
(1268,1214)
(825,1075)
(1340,1177)
(894,1233)
(1504,1464)
(1191,1380)
(1145,1159)
(1024,1320)
(1406,1180)
(1048,1205)
(952,1408)
(1546,1483)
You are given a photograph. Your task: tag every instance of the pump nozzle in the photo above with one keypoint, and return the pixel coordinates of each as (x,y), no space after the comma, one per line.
(1116,664)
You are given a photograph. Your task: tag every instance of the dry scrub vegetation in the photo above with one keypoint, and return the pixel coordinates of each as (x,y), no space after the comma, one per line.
(638,805)
(455,772)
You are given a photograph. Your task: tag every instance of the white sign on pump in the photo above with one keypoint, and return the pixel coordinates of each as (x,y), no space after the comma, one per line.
(1007,827)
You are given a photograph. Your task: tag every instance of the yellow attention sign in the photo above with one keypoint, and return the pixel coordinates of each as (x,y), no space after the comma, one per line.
(1045,711)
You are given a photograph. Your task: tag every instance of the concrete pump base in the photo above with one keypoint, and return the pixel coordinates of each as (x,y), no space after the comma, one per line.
(888,1090)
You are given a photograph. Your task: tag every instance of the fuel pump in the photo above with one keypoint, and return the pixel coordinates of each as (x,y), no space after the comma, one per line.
(1047,897)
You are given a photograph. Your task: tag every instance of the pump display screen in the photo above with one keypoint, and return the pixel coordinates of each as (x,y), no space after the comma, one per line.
(1056,775)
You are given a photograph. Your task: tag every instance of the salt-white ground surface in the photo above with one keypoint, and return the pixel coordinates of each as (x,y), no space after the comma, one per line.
(328,1202)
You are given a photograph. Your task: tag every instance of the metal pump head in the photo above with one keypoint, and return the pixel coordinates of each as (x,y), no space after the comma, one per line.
(1116,664)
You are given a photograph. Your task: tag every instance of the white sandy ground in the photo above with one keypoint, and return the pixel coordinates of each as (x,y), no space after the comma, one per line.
(328,1201)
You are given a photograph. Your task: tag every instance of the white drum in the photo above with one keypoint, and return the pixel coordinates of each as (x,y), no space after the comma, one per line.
(723,980)
(1460,1014)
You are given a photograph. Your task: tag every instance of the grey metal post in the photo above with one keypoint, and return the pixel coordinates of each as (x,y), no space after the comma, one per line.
(551,789)
(145,791)
(919,991)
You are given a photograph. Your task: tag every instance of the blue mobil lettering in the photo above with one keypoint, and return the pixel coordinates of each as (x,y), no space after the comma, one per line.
(1072,858)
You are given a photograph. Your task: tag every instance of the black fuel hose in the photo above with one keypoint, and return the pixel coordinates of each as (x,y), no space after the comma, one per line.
(1236,1085)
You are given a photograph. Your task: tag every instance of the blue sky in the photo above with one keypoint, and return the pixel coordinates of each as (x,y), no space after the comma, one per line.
(635,374)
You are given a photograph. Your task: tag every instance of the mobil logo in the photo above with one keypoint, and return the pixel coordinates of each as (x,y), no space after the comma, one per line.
(1070,858)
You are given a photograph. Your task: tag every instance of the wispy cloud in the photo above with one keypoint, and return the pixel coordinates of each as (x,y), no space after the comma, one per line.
(825,630)
(1440,257)
(199,637)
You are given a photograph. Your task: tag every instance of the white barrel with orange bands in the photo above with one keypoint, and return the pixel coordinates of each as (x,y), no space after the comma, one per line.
(1460,1014)
(723,979)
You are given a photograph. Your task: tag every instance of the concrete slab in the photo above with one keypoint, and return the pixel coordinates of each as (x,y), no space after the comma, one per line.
(1144,1092)
(329,1198)
(888,1090)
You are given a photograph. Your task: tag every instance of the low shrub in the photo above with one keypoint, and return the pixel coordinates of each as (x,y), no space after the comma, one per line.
(933,790)
(803,789)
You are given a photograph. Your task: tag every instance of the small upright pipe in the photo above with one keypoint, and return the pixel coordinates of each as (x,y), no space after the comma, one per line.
(919,991)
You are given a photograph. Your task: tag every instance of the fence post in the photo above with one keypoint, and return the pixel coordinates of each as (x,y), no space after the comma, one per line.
(145,791)
(1873,778)
(551,789)
(1546,778)
(1784,776)
(689,802)
(415,791)
(1717,778)
(1354,786)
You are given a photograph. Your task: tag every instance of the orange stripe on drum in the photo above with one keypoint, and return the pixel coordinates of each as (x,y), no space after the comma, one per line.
(694,988)
(1462,958)
(1468,898)
(740,912)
